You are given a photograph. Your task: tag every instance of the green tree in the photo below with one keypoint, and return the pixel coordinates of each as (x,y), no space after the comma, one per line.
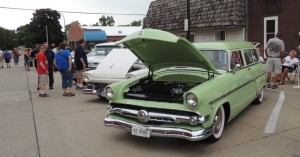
(37,26)
(8,39)
(106,21)
(96,24)
(24,36)
(136,23)
(67,27)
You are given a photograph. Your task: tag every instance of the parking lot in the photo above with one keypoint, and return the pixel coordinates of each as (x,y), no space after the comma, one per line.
(59,126)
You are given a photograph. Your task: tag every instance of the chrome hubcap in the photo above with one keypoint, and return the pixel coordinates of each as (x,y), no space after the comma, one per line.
(218,122)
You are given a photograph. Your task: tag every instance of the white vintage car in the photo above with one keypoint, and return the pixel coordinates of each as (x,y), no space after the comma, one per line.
(118,65)
(100,52)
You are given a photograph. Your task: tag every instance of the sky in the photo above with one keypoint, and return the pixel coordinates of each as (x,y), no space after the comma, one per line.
(12,19)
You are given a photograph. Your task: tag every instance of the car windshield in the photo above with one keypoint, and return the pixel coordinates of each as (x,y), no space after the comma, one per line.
(103,50)
(218,58)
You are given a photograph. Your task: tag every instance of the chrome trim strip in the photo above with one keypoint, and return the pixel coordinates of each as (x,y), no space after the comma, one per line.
(159,117)
(162,131)
(234,90)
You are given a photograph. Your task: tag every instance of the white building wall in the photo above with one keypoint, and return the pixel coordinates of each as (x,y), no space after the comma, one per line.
(235,34)
(202,35)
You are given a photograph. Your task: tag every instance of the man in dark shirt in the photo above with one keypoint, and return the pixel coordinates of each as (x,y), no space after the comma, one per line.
(33,54)
(50,58)
(81,63)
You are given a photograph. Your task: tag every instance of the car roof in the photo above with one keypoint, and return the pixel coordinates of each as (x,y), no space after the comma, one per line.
(107,44)
(223,45)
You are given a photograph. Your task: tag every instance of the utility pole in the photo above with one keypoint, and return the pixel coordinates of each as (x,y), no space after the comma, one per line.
(47,34)
(188,33)
(65,34)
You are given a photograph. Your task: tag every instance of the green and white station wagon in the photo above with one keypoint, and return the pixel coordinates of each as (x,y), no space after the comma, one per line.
(191,90)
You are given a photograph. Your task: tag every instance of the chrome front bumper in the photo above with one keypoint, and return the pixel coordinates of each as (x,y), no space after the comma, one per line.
(87,90)
(161,131)
(92,91)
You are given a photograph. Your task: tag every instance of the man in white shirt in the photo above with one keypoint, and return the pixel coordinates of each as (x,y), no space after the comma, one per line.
(290,62)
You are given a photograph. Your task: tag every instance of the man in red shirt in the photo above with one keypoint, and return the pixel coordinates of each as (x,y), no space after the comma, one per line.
(42,70)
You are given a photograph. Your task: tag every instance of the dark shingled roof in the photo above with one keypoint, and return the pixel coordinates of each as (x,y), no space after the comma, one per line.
(170,14)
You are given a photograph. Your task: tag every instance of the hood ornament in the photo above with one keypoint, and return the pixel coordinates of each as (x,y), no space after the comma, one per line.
(112,66)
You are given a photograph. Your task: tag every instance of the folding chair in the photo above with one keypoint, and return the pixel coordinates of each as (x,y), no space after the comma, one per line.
(294,74)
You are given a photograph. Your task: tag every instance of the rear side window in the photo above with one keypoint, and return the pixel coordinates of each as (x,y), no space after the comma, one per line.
(251,56)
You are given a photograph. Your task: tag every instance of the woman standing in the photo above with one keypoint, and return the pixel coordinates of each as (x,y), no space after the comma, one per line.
(26,59)
(63,62)
(15,55)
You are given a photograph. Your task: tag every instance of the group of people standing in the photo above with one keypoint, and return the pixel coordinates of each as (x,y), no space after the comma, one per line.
(277,63)
(7,56)
(47,62)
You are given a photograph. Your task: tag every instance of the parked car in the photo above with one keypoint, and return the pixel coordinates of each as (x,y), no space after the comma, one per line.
(190,91)
(118,65)
(100,52)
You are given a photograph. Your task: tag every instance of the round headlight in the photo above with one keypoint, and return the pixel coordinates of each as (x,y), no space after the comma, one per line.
(86,78)
(109,93)
(191,100)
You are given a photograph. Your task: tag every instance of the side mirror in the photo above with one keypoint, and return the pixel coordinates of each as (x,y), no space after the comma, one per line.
(236,67)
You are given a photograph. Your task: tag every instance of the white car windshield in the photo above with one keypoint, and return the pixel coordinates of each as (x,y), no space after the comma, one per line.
(103,50)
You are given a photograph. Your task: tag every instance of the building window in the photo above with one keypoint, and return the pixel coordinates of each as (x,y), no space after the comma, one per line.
(192,36)
(220,35)
(270,27)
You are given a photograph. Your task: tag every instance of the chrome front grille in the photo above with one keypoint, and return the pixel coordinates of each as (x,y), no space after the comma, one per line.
(148,116)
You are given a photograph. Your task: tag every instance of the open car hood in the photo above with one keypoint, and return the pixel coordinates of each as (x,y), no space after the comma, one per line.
(116,64)
(159,49)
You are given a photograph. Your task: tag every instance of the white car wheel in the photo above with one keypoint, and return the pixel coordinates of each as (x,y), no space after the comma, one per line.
(260,96)
(218,126)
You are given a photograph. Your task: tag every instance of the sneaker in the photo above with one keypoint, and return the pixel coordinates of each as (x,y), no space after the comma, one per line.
(51,88)
(274,86)
(268,85)
(44,95)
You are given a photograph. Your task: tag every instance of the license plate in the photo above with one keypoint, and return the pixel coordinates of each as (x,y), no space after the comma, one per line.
(140,131)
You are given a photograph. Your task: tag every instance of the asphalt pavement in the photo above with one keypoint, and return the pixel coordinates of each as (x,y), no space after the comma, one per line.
(59,126)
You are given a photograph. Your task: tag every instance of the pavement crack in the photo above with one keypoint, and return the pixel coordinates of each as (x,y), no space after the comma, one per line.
(33,116)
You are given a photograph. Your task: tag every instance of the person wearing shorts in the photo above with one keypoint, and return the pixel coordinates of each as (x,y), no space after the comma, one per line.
(81,63)
(7,58)
(290,63)
(274,49)
(42,70)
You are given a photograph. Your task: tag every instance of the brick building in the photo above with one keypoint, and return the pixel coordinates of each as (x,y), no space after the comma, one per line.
(252,20)
(267,17)
(97,34)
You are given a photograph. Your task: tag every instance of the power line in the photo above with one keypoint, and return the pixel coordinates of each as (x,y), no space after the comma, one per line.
(75,12)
